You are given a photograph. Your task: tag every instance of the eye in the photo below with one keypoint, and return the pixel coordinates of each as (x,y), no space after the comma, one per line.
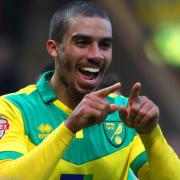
(105,44)
(82,43)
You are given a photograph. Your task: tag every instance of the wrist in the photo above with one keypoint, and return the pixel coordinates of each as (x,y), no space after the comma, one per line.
(71,126)
(146,131)
(153,137)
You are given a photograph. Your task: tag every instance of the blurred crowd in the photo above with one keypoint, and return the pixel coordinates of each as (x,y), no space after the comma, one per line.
(12,19)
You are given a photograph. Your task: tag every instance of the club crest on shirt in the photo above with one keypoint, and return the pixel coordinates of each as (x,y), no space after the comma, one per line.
(115,132)
(4,126)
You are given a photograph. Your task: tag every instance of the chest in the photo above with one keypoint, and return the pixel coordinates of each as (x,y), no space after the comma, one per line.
(91,143)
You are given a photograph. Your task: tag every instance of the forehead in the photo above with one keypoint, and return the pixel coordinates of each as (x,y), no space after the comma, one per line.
(95,27)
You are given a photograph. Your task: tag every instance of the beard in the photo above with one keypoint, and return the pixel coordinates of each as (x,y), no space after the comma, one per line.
(64,69)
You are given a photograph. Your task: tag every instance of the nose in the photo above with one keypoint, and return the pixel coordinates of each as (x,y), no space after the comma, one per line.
(95,52)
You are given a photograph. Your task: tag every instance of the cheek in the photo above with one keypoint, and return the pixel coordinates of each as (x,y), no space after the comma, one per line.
(108,57)
(76,52)
(109,54)
(65,61)
(72,58)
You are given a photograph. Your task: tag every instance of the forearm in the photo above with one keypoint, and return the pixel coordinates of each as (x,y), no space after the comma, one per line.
(48,153)
(163,161)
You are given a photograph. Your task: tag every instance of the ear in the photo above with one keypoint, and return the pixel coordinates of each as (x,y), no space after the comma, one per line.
(52,48)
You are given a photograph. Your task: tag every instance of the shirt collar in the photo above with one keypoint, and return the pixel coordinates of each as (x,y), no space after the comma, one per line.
(45,90)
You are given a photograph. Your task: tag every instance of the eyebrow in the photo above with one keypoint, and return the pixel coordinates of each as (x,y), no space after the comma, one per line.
(84,36)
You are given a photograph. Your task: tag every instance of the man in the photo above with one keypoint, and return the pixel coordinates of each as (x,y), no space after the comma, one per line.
(62,128)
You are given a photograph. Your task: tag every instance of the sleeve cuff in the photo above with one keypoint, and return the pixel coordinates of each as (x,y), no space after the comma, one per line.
(64,134)
(151,138)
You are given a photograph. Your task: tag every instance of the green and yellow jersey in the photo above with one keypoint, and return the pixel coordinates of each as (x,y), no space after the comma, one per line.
(35,143)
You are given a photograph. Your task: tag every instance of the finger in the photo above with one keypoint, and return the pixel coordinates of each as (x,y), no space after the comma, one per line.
(106,91)
(93,116)
(134,93)
(149,122)
(135,109)
(97,100)
(148,118)
(103,107)
(99,103)
(142,113)
(113,107)
(123,113)
(132,113)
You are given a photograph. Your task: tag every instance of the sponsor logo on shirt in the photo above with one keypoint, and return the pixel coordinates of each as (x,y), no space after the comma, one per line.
(4,126)
(45,130)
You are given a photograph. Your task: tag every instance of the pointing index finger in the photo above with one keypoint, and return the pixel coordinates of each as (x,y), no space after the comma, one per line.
(106,91)
(134,92)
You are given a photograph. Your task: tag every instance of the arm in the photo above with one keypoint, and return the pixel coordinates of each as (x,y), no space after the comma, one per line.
(33,167)
(163,161)
(40,162)
(143,115)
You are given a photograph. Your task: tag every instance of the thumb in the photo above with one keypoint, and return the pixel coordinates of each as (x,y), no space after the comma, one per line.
(123,113)
(113,107)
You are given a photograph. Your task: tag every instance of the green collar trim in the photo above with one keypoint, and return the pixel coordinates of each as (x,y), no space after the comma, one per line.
(45,90)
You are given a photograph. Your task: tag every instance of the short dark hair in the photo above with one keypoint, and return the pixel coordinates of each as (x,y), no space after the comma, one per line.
(60,19)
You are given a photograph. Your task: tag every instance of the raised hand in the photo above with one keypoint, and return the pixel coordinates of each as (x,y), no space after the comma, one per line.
(140,113)
(93,109)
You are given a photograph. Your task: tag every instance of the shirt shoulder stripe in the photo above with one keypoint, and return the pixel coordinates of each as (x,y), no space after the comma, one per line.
(9,155)
(138,162)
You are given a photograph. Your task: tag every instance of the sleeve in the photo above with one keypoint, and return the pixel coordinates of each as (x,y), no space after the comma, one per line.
(12,136)
(163,163)
(22,163)
(138,156)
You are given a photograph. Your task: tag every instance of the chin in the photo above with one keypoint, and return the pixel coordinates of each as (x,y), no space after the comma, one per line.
(86,90)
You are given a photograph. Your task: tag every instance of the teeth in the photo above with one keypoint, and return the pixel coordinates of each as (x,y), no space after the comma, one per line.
(90,69)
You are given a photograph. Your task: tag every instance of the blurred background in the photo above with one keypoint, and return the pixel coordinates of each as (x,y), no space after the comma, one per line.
(146,48)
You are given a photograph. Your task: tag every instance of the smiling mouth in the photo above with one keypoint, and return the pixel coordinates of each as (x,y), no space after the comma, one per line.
(89,73)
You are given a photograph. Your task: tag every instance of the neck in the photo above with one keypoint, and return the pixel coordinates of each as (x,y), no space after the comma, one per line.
(65,94)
